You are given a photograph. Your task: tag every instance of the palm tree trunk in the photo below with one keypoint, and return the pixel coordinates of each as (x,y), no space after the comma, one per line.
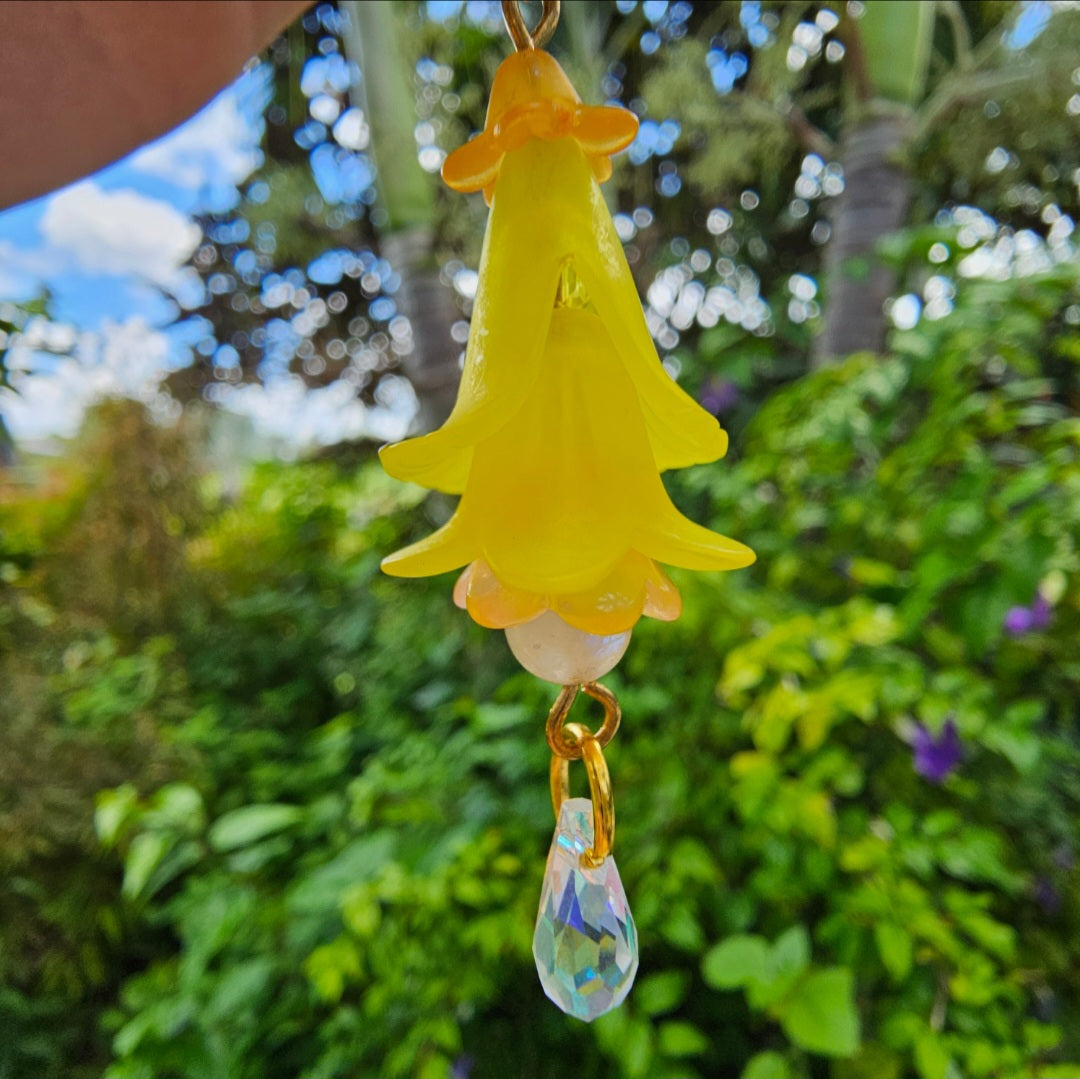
(888,54)
(408,202)
(877,192)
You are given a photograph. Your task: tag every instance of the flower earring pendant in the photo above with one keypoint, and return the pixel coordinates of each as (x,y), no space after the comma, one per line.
(564,420)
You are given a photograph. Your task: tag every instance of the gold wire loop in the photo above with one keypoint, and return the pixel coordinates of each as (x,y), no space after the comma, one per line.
(522,37)
(603,803)
(557,727)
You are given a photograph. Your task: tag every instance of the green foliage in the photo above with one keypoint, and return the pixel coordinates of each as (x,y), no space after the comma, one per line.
(816,1008)
(1025,92)
(82,709)
(901,508)
(755,141)
(321,803)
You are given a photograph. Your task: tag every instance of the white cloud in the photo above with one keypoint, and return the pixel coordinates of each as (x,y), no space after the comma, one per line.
(40,335)
(131,358)
(219,145)
(119,232)
(286,409)
(125,359)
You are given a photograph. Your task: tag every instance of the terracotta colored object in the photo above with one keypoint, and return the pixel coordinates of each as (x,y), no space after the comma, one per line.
(85,82)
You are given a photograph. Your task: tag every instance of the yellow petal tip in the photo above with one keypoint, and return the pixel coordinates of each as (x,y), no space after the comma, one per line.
(532,98)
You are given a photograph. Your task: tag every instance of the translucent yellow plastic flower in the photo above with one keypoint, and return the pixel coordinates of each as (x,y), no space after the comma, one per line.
(565,417)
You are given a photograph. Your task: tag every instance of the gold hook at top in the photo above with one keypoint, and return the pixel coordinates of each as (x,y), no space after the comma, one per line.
(522,37)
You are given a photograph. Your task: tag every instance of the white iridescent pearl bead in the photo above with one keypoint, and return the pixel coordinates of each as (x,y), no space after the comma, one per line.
(557,652)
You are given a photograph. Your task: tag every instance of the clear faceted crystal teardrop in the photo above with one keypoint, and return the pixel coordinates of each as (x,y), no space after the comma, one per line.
(585,943)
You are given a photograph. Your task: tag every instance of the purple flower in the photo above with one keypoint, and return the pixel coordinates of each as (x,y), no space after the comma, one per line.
(1017,621)
(1021,620)
(463,1067)
(1040,612)
(936,758)
(718,395)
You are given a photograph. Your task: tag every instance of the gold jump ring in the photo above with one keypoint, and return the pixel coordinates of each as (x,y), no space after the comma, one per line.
(603,802)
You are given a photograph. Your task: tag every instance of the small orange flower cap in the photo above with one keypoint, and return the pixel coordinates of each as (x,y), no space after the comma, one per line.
(532,98)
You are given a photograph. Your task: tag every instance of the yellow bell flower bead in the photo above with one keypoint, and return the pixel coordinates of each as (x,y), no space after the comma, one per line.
(531,97)
(565,416)
(548,212)
(567,487)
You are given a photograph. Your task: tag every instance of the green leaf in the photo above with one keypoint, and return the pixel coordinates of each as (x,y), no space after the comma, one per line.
(872,573)
(1021,748)
(767,1065)
(435,1066)
(787,959)
(662,992)
(735,961)
(146,851)
(931,1057)
(895,948)
(493,718)
(319,891)
(179,858)
(611,1030)
(241,987)
(872,1061)
(682,929)
(637,1050)
(820,1015)
(114,809)
(177,805)
(249,824)
(681,1040)
(789,955)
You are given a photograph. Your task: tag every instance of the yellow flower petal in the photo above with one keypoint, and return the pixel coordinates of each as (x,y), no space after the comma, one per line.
(548,209)
(492,604)
(662,599)
(681,431)
(568,486)
(527,238)
(670,537)
(614,605)
(532,98)
(636,586)
(552,486)
(446,549)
